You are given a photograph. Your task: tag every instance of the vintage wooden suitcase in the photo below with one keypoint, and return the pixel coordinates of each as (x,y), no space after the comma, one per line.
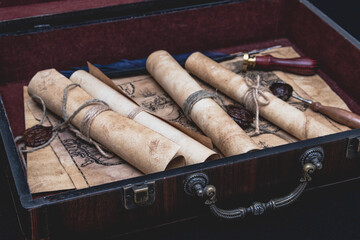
(63,40)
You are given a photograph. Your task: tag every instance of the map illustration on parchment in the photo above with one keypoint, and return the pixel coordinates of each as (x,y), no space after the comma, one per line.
(82,152)
(93,166)
(144,90)
(89,154)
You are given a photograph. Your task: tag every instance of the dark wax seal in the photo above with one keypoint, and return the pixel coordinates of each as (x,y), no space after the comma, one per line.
(240,115)
(37,135)
(281,90)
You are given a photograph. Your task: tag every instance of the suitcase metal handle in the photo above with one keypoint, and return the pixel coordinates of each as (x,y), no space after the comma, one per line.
(197,185)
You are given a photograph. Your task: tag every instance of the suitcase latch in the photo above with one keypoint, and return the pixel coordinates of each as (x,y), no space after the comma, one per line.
(353,148)
(139,195)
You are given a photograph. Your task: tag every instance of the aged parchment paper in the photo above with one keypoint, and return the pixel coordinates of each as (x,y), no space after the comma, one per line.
(277,111)
(227,135)
(81,161)
(44,172)
(309,87)
(151,96)
(193,151)
(143,148)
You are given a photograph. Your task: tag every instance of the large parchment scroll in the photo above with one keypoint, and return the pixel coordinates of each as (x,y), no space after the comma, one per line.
(140,146)
(193,151)
(206,113)
(277,111)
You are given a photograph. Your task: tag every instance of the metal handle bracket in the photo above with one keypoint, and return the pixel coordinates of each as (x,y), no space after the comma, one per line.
(197,185)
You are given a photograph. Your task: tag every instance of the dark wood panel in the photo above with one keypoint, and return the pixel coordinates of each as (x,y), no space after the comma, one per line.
(237,182)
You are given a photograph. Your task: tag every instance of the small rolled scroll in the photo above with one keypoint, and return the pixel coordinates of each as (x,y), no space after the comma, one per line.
(192,150)
(140,146)
(206,113)
(277,111)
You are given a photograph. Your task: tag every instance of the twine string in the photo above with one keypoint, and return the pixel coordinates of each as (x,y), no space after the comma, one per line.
(254,98)
(84,133)
(193,98)
(135,112)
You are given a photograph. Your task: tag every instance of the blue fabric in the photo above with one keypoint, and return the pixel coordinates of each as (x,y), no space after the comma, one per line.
(132,67)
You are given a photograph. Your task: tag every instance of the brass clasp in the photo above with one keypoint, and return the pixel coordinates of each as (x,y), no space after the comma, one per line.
(139,195)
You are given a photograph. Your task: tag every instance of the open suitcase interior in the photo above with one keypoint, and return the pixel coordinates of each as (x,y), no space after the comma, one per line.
(67,37)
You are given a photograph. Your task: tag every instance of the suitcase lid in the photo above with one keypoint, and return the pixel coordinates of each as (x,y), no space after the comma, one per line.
(11,10)
(19,17)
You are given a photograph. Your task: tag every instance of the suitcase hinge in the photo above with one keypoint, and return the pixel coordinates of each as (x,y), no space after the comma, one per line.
(353,148)
(139,195)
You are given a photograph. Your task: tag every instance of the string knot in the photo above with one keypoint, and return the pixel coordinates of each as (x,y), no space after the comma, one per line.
(254,98)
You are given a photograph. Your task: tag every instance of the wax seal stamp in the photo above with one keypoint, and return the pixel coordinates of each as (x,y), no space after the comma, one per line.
(37,135)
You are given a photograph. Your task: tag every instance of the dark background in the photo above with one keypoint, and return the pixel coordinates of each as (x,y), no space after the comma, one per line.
(332,212)
(345,13)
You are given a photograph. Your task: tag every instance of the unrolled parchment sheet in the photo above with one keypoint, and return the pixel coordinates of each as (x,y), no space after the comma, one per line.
(193,151)
(140,146)
(277,111)
(206,113)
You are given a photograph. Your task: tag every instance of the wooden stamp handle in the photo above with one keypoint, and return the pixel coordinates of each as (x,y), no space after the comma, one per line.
(340,115)
(300,65)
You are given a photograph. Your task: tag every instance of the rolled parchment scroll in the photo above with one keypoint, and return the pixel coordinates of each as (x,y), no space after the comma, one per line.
(193,151)
(206,113)
(277,111)
(140,146)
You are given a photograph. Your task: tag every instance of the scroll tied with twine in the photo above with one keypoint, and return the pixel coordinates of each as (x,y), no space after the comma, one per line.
(275,110)
(192,150)
(205,112)
(143,148)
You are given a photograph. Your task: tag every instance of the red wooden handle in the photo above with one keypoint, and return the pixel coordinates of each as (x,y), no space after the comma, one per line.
(340,115)
(300,65)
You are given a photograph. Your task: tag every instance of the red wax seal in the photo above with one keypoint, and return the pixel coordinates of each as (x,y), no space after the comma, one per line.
(37,135)
(240,115)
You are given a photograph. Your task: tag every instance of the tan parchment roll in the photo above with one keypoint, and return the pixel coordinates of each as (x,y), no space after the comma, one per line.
(143,148)
(277,111)
(206,113)
(193,151)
